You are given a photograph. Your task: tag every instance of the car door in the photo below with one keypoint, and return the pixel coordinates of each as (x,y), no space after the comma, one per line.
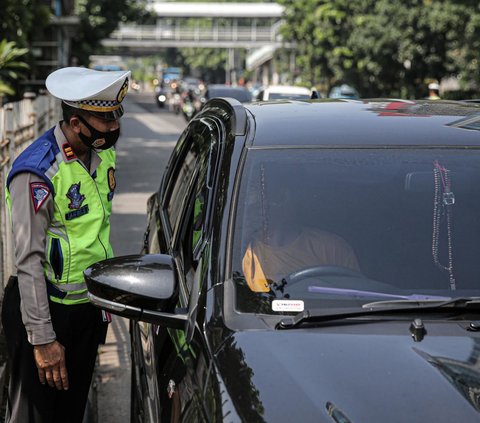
(147,339)
(178,358)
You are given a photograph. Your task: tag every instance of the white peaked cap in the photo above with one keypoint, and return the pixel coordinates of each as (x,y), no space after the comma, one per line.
(88,89)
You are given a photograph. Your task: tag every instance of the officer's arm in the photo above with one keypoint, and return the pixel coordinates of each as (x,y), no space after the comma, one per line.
(32,210)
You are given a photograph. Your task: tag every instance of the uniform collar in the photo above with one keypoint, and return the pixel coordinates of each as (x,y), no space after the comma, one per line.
(68,153)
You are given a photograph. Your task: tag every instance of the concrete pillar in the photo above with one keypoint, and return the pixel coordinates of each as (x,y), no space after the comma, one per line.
(229,68)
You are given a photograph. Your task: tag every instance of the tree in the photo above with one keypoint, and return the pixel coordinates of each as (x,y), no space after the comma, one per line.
(23,22)
(384,48)
(11,68)
(22,19)
(401,46)
(208,63)
(320,31)
(466,53)
(99,18)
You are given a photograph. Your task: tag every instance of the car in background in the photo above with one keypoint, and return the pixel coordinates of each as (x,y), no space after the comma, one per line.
(344,91)
(108,67)
(306,262)
(282,92)
(192,83)
(239,93)
(171,74)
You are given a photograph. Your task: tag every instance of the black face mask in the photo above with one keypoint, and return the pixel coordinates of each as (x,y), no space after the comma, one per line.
(98,140)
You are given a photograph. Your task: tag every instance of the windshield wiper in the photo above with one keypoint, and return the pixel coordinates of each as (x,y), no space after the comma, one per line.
(357,293)
(400,307)
(446,302)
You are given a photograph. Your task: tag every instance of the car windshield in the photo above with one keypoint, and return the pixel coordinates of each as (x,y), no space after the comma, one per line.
(339,228)
(243,96)
(289,96)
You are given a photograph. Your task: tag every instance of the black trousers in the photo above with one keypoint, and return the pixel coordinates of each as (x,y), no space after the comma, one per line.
(80,329)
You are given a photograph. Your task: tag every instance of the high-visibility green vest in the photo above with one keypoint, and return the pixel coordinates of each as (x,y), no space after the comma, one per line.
(79,232)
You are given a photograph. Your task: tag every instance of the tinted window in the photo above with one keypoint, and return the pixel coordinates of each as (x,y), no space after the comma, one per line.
(243,96)
(277,96)
(183,179)
(373,225)
(202,189)
(196,148)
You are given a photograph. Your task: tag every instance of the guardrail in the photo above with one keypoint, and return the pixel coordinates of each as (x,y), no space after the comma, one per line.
(20,124)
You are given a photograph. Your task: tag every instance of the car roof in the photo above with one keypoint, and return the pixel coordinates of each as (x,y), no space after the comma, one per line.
(366,123)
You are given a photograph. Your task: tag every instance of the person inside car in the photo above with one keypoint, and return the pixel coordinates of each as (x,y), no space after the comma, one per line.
(285,246)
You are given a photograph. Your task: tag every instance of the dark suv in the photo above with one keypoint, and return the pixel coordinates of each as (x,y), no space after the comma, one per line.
(309,262)
(239,93)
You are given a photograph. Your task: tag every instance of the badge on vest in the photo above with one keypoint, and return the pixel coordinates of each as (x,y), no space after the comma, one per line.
(112,183)
(68,151)
(76,199)
(40,193)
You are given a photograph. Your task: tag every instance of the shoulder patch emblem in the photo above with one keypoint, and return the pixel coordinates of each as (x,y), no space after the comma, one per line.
(40,192)
(75,197)
(112,183)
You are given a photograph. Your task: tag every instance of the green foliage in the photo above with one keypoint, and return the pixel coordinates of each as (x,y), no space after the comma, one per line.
(99,18)
(22,20)
(209,63)
(11,68)
(144,69)
(384,48)
(227,1)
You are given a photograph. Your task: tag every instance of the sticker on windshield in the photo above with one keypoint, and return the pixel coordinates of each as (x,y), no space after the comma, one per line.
(287,305)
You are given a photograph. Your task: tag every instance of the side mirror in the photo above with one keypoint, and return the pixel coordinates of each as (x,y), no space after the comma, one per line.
(140,287)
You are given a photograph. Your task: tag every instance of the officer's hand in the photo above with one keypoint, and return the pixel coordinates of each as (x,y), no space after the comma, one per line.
(50,361)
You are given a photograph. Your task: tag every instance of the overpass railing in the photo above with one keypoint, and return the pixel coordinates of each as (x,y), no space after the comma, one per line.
(20,124)
(185,33)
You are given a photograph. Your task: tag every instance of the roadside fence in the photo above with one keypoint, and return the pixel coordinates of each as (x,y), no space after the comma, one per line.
(20,124)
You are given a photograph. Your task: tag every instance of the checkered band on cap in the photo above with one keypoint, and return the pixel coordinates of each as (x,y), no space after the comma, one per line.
(95,105)
(89,89)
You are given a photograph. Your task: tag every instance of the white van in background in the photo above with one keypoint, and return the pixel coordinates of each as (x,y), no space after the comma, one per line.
(277,92)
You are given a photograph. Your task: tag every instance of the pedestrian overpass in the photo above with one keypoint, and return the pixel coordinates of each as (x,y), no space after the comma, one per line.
(213,25)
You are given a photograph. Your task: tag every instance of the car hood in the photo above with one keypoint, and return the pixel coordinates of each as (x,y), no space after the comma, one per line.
(371,372)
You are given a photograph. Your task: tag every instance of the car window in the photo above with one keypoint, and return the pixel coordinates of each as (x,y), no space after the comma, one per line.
(189,162)
(202,190)
(195,186)
(183,178)
(339,228)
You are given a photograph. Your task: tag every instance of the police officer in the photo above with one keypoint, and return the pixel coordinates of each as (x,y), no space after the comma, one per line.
(433,91)
(59,192)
